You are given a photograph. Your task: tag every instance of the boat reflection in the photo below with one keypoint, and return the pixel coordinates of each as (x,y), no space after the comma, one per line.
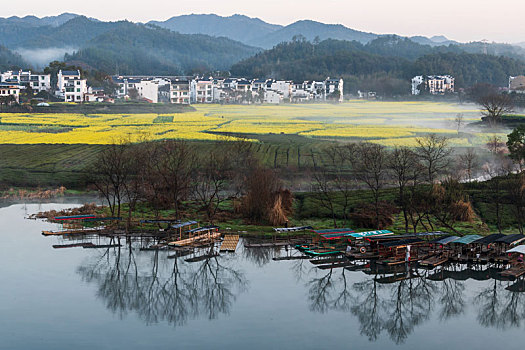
(395,302)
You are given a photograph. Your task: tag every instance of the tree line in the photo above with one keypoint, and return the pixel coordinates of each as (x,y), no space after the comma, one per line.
(176,175)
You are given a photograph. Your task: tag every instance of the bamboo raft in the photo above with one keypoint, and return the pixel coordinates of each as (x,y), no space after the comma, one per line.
(196,239)
(229,243)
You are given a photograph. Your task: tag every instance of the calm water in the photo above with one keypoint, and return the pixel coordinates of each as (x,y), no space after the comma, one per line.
(114,299)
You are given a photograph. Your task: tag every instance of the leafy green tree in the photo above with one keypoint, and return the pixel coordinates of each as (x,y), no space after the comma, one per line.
(516,144)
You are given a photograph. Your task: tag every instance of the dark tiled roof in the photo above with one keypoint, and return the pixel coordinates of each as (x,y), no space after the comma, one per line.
(70,72)
(509,239)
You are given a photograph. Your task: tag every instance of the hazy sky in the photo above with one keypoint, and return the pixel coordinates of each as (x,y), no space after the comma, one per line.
(463,20)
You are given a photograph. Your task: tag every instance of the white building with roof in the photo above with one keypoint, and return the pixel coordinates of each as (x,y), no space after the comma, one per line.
(37,82)
(180,92)
(10,89)
(70,86)
(433,84)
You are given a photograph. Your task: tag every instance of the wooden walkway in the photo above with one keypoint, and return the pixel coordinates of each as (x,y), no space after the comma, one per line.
(229,244)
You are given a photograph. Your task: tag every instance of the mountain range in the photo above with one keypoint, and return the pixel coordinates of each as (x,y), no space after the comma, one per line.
(249,46)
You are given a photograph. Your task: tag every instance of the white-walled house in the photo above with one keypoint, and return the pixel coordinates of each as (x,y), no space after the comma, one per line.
(433,84)
(180,92)
(70,86)
(272,97)
(334,87)
(517,84)
(202,90)
(37,82)
(416,84)
(148,90)
(10,89)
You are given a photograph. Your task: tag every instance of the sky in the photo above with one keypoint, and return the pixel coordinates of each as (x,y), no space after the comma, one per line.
(462,20)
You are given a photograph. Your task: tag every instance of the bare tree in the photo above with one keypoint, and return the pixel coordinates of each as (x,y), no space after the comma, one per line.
(325,195)
(495,144)
(174,166)
(495,106)
(371,168)
(434,153)
(211,182)
(110,172)
(469,161)
(405,167)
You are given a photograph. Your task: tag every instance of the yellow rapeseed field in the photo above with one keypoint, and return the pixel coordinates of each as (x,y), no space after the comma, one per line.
(388,123)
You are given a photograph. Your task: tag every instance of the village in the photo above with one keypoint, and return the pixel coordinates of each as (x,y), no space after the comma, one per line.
(71,87)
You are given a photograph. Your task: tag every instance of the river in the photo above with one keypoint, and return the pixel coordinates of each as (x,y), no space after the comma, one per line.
(131,299)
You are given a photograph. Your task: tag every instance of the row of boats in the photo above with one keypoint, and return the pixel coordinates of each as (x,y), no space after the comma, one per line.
(427,249)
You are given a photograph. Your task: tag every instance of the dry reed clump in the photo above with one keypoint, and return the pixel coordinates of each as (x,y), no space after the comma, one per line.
(463,211)
(38,194)
(86,209)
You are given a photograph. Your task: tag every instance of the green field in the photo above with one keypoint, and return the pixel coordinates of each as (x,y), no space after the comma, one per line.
(56,148)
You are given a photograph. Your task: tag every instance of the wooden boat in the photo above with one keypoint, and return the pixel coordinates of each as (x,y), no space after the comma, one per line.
(85,231)
(328,261)
(514,272)
(74,245)
(433,261)
(293,257)
(335,265)
(95,246)
(323,252)
(201,258)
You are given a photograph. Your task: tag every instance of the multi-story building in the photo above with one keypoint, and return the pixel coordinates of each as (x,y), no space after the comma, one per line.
(202,90)
(70,86)
(517,84)
(433,84)
(334,89)
(180,92)
(37,82)
(10,89)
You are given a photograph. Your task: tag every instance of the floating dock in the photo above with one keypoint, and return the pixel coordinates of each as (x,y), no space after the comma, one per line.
(229,244)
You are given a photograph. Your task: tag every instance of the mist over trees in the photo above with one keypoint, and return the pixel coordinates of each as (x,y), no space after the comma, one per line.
(386,63)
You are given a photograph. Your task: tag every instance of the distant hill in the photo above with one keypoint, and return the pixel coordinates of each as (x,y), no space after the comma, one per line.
(72,33)
(398,58)
(237,27)
(144,49)
(10,60)
(34,21)
(311,30)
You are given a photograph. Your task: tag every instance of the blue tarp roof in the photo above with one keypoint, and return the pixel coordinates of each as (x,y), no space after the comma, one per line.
(202,229)
(183,224)
(467,239)
(293,229)
(446,240)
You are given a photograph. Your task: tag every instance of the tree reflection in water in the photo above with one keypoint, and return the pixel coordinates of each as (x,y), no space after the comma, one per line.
(500,308)
(398,304)
(158,289)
